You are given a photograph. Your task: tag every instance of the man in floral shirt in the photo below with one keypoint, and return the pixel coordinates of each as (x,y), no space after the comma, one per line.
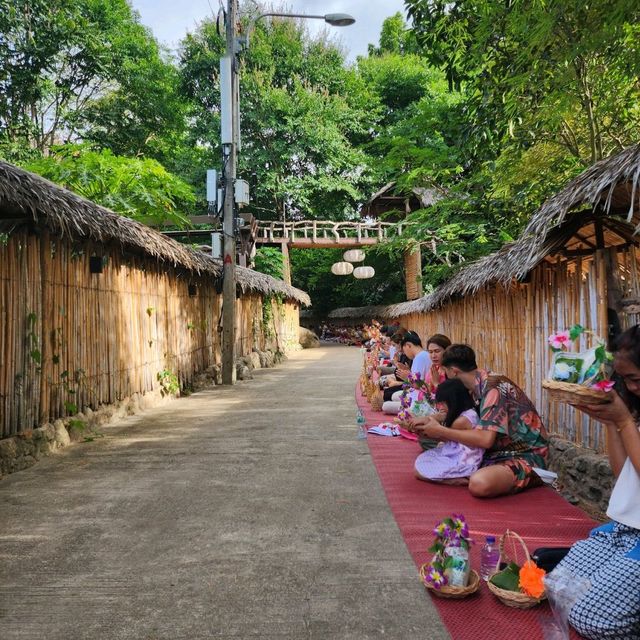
(510,428)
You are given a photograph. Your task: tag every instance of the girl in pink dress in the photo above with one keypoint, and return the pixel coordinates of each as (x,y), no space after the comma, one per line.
(451,462)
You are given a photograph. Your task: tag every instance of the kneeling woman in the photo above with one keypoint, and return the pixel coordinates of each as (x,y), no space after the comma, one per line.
(451,462)
(610,557)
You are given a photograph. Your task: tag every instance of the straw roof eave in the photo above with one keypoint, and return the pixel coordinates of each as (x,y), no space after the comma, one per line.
(29,198)
(368,312)
(610,187)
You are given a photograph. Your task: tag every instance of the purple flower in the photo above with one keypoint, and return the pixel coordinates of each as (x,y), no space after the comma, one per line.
(436,577)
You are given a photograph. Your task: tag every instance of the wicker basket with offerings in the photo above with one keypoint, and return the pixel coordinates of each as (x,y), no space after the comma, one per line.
(578,378)
(449,574)
(518,586)
(377,399)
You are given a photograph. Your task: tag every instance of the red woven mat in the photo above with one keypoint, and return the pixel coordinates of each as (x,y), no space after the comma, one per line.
(541,516)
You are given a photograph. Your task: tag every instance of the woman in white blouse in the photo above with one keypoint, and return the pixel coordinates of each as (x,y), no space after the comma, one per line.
(610,557)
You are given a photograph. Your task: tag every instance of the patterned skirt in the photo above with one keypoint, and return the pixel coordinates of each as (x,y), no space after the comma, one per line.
(610,559)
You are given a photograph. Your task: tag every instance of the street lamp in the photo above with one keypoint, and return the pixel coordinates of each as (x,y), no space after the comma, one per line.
(230,136)
(334,19)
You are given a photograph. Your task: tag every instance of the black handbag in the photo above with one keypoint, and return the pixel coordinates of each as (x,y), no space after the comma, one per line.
(548,558)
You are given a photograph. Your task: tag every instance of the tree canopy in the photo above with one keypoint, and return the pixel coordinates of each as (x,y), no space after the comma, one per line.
(83,70)
(303,115)
(494,105)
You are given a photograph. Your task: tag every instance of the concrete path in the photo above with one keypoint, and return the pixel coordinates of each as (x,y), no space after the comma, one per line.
(244,512)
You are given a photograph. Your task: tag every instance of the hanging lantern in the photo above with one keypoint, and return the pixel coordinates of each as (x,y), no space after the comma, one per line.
(341,268)
(354,255)
(362,273)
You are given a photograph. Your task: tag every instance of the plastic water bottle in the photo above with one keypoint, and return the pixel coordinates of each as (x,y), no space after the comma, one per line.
(361,422)
(489,556)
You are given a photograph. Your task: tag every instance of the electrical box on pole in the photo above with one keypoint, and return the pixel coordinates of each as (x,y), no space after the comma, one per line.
(216,245)
(241,192)
(213,203)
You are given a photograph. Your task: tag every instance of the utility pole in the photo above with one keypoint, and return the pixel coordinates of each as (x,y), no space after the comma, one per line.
(230,139)
(229,95)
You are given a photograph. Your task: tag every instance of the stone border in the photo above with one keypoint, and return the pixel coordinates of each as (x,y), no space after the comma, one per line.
(585,477)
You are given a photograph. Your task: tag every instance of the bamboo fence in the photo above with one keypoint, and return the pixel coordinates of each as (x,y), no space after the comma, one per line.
(71,339)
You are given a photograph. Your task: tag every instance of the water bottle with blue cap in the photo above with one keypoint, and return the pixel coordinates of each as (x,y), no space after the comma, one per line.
(361,422)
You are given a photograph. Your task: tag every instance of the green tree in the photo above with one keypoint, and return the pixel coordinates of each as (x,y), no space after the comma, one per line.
(137,188)
(563,72)
(270,260)
(545,89)
(395,37)
(74,69)
(300,120)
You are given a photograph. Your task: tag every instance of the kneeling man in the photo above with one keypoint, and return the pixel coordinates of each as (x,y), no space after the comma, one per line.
(510,429)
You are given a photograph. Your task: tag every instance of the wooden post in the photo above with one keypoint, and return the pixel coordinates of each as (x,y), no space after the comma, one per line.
(602,284)
(286,263)
(413,273)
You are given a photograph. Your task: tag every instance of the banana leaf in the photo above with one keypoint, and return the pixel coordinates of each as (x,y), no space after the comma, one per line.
(508,578)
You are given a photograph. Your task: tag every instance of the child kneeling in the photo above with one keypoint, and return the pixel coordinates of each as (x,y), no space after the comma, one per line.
(451,462)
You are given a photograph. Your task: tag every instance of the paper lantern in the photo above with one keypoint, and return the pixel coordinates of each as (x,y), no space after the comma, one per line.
(364,272)
(341,268)
(354,255)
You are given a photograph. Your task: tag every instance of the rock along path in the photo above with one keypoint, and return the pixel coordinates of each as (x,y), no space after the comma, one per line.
(244,512)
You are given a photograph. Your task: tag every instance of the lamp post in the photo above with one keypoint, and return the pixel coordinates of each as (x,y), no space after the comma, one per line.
(230,136)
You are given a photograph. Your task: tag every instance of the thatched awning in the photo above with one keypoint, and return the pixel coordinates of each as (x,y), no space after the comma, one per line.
(386,199)
(28,198)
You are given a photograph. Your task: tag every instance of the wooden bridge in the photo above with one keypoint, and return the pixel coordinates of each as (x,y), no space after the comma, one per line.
(313,234)
(325,234)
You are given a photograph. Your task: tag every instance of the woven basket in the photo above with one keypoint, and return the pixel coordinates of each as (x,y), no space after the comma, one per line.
(377,398)
(574,393)
(371,389)
(454,593)
(514,599)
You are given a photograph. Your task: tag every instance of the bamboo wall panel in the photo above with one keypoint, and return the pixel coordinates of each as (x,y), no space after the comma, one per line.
(70,339)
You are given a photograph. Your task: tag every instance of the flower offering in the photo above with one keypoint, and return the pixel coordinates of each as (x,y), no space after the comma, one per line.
(416,398)
(450,563)
(589,368)
(517,585)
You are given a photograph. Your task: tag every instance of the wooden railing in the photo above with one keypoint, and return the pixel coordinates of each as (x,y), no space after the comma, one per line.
(326,232)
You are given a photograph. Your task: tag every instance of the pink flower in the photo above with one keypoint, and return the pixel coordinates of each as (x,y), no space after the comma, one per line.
(603,385)
(559,340)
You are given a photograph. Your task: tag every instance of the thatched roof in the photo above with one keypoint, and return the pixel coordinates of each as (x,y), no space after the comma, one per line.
(366,313)
(29,198)
(386,199)
(608,192)
(608,189)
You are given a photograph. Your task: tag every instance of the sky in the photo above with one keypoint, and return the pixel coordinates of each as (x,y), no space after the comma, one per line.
(170,20)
